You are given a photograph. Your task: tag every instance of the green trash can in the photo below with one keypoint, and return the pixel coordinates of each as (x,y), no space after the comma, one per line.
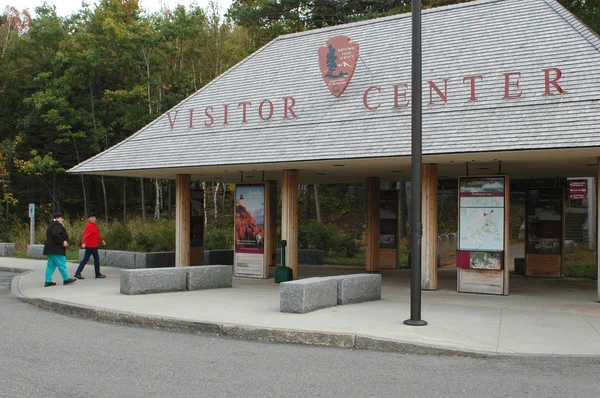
(283,273)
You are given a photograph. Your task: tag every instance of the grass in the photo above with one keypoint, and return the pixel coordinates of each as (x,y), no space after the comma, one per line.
(581,263)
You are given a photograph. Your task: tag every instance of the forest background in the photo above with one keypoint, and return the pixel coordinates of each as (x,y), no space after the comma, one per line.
(73,86)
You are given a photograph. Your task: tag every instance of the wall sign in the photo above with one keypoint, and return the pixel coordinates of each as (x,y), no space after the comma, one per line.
(337,60)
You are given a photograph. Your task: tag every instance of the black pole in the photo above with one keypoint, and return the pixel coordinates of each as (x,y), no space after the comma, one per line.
(416,226)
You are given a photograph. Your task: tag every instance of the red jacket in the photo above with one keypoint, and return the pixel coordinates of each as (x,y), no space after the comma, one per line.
(91,236)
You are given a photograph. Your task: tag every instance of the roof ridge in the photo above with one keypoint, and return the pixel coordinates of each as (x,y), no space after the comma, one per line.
(433,10)
(585,31)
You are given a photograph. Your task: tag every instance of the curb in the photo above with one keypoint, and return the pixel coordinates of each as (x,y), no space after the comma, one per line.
(246,332)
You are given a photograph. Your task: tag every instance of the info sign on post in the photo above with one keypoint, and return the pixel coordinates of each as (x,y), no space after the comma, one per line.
(31,223)
(577,189)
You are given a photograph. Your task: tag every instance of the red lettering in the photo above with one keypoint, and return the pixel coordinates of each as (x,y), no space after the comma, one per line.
(403,95)
(508,84)
(172,122)
(287,107)
(554,82)
(192,118)
(472,80)
(260,110)
(210,116)
(244,105)
(366,94)
(443,96)
(225,108)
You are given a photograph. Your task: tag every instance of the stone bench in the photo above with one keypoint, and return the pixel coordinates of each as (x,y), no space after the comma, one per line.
(154,280)
(132,260)
(7,249)
(35,251)
(209,277)
(224,257)
(357,288)
(305,295)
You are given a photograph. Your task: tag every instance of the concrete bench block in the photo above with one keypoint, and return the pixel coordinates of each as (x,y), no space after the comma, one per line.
(101,255)
(7,249)
(154,280)
(305,295)
(154,260)
(120,259)
(305,256)
(35,251)
(209,277)
(357,288)
(223,257)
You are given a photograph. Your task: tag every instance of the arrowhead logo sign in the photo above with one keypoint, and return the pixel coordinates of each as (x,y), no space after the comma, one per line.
(337,60)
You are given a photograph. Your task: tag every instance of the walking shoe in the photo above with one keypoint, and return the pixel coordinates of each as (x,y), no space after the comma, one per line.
(79,276)
(49,284)
(100,276)
(70,280)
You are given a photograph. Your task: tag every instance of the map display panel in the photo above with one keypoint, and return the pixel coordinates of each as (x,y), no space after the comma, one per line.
(482,214)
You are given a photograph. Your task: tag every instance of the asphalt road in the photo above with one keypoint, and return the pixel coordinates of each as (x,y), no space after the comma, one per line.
(43,354)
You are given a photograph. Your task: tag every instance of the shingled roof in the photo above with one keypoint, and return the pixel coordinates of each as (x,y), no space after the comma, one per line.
(485,38)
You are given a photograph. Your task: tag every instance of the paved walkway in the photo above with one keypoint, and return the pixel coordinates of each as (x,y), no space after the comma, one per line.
(540,317)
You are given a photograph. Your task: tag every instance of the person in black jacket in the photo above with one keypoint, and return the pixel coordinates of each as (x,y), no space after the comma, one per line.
(55,248)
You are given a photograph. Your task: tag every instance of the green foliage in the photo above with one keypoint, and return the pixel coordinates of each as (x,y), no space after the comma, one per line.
(516,218)
(119,237)
(318,236)
(350,243)
(218,239)
(581,263)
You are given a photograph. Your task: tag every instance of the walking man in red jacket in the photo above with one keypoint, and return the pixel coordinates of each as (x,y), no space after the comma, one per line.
(90,242)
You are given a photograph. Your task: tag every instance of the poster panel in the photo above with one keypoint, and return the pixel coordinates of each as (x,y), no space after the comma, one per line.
(481,217)
(249,231)
(544,221)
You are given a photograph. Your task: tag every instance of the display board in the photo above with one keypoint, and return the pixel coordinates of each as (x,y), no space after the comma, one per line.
(544,231)
(482,241)
(388,228)
(249,231)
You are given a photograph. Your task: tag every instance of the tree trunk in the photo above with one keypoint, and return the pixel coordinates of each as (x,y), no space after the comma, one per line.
(124,199)
(307,200)
(317,203)
(105,201)
(157,205)
(204,204)
(143,200)
(216,201)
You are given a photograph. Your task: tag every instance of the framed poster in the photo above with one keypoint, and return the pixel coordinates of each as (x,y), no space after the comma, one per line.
(249,231)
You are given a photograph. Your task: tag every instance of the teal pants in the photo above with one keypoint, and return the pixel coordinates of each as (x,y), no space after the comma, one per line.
(56,261)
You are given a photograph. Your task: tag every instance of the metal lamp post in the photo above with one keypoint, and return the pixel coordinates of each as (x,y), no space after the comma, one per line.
(416,226)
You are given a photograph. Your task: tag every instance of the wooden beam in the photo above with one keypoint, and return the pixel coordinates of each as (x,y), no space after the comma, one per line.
(289,217)
(429,214)
(182,220)
(373,213)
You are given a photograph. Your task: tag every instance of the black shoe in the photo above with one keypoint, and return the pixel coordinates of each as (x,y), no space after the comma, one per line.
(70,280)
(47,284)
(79,276)
(100,276)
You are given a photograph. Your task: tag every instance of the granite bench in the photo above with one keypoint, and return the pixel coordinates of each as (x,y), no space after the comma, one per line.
(209,277)
(305,295)
(153,280)
(357,288)
(132,260)
(35,251)
(7,249)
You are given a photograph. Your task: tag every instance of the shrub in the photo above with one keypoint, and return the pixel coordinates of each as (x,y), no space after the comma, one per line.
(218,239)
(119,237)
(349,243)
(316,235)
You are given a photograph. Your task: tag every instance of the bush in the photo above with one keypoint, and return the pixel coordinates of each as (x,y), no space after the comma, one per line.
(159,238)
(350,243)
(218,239)
(316,235)
(119,237)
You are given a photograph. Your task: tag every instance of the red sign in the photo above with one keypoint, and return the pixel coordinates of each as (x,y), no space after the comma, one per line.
(577,189)
(337,59)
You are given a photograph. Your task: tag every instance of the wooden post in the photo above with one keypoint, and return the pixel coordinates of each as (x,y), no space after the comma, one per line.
(429,243)
(289,218)
(182,220)
(373,192)
(270,248)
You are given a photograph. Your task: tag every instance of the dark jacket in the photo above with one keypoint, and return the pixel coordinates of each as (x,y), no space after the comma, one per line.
(56,234)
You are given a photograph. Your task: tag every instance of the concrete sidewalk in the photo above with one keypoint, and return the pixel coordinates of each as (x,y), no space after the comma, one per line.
(540,317)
